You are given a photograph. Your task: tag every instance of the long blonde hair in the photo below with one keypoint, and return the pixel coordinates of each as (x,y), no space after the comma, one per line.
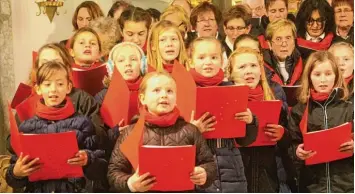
(268,93)
(154,56)
(306,83)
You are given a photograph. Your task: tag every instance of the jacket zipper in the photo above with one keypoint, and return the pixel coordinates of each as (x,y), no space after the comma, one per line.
(327,173)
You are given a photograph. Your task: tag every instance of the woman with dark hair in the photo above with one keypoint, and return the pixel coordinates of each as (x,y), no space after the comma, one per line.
(314,22)
(117,8)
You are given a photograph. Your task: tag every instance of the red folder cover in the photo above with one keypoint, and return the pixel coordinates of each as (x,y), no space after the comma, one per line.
(186,91)
(23,92)
(326,143)
(53,151)
(291,94)
(90,80)
(111,111)
(172,172)
(223,102)
(27,109)
(53,157)
(267,112)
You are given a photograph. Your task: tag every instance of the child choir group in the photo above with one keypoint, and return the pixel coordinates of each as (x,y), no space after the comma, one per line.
(313,49)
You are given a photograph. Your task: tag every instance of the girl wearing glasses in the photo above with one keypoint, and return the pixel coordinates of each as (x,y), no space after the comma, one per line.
(283,61)
(344,20)
(314,27)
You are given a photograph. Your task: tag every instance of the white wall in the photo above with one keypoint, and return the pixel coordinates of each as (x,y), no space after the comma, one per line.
(30,32)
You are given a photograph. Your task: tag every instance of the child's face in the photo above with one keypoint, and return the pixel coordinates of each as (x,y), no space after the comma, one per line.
(323,77)
(277,10)
(86,48)
(160,95)
(55,88)
(135,32)
(345,60)
(83,19)
(169,45)
(128,61)
(48,54)
(246,70)
(207,58)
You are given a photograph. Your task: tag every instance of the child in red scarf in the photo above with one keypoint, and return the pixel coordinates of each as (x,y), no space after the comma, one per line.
(207,61)
(163,127)
(326,95)
(246,67)
(166,47)
(55,113)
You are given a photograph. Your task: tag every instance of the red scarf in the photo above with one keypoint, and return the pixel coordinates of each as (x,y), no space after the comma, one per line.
(256,94)
(317,46)
(348,79)
(53,113)
(320,97)
(207,81)
(169,67)
(133,85)
(166,120)
(93,66)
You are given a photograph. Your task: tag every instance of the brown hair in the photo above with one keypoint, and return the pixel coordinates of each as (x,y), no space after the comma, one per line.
(268,94)
(94,11)
(340,44)
(143,85)
(336,3)
(201,39)
(154,57)
(269,2)
(49,69)
(116,6)
(135,14)
(63,53)
(247,37)
(204,7)
(313,60)
(82,30)
(278,25)
(238,11)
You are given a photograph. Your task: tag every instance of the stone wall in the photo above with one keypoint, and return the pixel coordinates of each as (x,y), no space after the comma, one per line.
(7,76)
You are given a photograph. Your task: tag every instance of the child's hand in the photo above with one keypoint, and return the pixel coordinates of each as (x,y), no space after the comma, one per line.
(202,123)
(275,132)
(245,116)
(347,147)
(24,168)
(141,183)
(303,154)
(80,159)
(198,176)
(121,125)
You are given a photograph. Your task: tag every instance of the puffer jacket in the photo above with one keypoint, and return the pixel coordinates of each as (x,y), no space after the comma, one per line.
(230,169)
(181,133)
(260,162)
(314,178)
(87,140)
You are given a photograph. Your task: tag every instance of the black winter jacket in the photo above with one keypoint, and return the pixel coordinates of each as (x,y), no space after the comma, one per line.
(333,112)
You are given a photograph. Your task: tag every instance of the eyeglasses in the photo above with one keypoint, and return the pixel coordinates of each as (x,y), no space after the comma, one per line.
(346,10)
(207,20)
(239,28)
(280,41)
(318,21)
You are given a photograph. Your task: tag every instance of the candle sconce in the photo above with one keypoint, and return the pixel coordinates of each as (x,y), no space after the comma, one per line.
(49,8)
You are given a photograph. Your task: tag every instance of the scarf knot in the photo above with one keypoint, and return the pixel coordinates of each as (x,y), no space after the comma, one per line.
(207,81)
(55,113)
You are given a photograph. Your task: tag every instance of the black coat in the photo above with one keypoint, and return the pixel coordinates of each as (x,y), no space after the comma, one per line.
(349,40)
(87,140)
(260,162)
(331,113)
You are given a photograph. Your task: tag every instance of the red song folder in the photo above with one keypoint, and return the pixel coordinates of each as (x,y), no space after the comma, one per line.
(113,112)
(53,151)
(291,94)
(223,102)
(90,80)
(267,112)
(186,91)
(27,109)
(22,93)
(172,171)
(326,143)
